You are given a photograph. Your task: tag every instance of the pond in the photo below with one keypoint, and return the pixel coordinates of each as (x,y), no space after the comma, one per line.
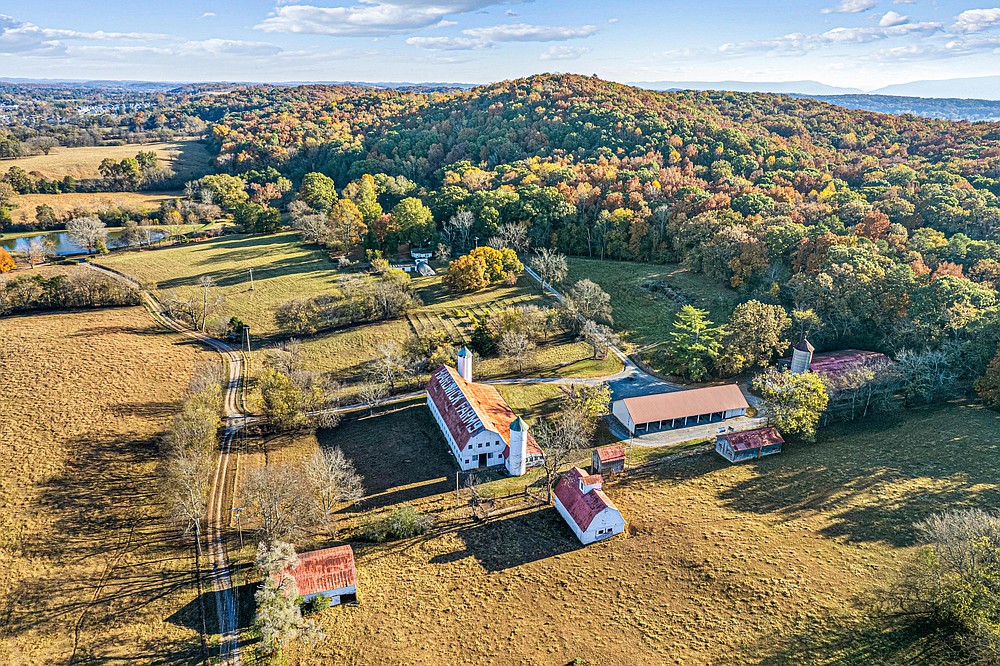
(63,244)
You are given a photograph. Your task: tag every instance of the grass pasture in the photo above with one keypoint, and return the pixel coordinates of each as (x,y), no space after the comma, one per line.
(188,158)
(90,202)
(640,316)
(92,570)
(789,546)
(285,269)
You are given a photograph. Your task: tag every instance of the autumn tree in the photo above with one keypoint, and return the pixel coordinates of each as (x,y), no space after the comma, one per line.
(318,191)
(7,263)
(467,273)
(795,402)
(755,334)
(988,386)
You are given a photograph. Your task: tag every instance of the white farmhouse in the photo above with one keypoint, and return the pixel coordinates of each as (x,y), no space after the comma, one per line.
(480,427)
(586,509)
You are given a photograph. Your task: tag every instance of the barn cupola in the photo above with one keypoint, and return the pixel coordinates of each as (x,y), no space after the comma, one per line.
(591,482)
(517,451)
(802,356)
(465,363)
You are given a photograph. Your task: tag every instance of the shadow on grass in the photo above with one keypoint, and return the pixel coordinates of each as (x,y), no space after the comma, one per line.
(109,550)
(875,641)
(400,454)
(923,462)
(514,540)
(280,267)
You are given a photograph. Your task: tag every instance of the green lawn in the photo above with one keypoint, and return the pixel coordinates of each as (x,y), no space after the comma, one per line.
(641,317)
(283,269)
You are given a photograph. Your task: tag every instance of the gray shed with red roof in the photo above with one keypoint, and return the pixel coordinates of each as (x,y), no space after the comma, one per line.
(748,444)
(580,500)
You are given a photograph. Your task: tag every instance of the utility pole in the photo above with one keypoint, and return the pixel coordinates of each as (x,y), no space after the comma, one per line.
(246,336)
(251,278)
(238,510)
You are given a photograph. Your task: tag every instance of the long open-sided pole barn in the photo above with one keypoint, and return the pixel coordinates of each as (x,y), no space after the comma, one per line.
(677,409)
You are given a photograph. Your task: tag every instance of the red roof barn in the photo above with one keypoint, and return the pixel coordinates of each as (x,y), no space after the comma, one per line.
(581,502)
(329,572)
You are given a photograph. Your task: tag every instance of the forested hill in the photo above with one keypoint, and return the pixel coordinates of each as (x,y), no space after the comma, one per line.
(580,119)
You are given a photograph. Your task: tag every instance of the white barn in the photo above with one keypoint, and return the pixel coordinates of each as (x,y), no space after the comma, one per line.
(480,427)
(677,409)
(586,509)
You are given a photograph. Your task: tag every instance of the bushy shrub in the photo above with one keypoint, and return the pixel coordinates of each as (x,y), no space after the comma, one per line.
(403,523)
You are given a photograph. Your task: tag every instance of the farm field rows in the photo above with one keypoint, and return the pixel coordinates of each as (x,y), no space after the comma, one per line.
(188,158)
(91,565)
(793,543)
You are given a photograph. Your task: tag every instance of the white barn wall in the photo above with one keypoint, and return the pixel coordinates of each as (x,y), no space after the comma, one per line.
(620,412)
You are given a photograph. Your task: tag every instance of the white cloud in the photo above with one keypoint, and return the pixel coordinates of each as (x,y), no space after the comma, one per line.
(560,52)
(849,7)
(798,43)
(975,20)
(892,18)
(227,47)
(523,32)
(371,18)
(448,43)
(614,20)
(208,15)
(19,37)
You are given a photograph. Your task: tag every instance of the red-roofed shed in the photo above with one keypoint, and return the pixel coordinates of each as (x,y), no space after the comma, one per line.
(749,444)
(329,572)
(608,459)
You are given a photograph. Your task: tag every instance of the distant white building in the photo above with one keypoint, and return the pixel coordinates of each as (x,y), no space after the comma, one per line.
(581,501)
(480,427)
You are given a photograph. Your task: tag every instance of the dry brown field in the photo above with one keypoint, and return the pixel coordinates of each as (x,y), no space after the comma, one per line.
(188,158)
(91,571)
(89,202)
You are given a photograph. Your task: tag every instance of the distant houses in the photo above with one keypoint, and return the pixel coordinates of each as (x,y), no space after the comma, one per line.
(581,502)
(677,409)
(328,572)
(748,444)
(480,427)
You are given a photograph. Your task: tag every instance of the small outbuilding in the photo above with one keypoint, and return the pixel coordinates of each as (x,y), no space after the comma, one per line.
(748,444)
(608,459)
(328,572)
(582,503)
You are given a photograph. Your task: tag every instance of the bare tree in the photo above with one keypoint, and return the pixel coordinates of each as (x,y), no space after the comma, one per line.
(372,394)
(559,437)
(457,229)
(206,282)
(88,232)
(333,481)
(279,618)
(550,265)
(590,301)
(389,365)
(513,235)
(600,337)
(516,346)
(36,251)
(279,500)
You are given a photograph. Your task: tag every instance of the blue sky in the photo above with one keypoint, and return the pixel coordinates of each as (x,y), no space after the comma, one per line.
(857,43)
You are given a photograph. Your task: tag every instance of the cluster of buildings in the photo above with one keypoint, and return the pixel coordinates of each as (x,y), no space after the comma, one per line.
(483,431)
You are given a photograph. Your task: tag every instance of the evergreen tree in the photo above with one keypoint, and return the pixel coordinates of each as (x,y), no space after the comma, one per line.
(694,343)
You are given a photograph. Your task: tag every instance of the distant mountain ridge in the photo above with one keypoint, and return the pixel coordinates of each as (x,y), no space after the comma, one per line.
(980,87)
(783,87)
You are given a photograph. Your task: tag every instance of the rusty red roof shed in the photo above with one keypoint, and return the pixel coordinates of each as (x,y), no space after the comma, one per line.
(754,439)
(608,453)
(325,570)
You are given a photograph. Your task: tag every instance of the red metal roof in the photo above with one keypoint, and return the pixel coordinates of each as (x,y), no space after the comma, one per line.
(678,404)
(835,362)
(469,408)
(754,439)
(325,570)
(609,453)
(582,508)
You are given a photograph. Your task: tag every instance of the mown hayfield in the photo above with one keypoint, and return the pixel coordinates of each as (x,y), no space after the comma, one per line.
(91,566)
(788,548)
(642,316)
(187,158)
(87,202)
